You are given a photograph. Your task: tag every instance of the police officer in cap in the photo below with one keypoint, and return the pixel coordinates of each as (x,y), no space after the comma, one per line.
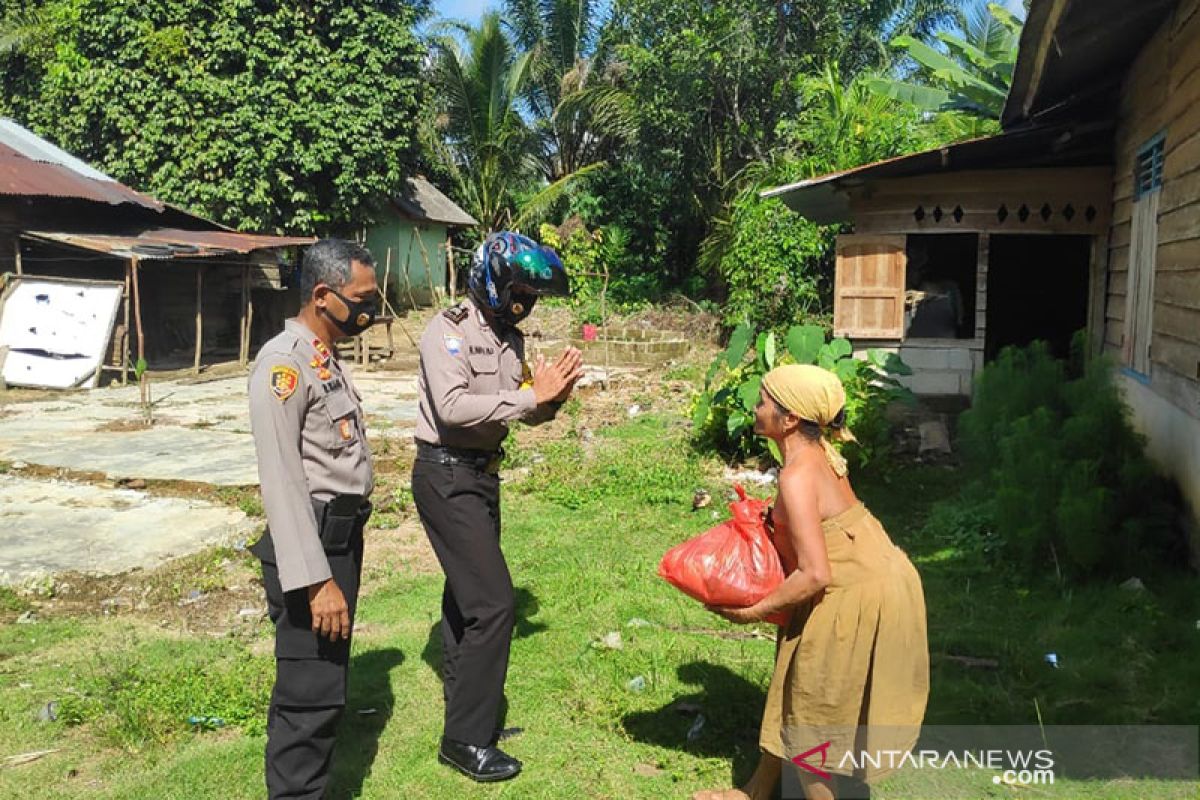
(315,471)
(473,382)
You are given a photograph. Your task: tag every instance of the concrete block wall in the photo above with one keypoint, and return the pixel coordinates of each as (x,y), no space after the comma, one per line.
(940,367)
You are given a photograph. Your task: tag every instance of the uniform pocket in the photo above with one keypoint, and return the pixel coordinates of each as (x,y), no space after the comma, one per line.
(482,364)
(341,411)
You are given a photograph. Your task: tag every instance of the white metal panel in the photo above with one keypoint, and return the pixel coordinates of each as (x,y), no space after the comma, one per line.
(57,331)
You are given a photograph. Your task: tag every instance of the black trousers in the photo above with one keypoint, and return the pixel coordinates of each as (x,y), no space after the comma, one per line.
(460,509)
(311,675)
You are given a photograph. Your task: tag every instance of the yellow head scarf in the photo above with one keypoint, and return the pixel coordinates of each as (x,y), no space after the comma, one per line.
(816,395)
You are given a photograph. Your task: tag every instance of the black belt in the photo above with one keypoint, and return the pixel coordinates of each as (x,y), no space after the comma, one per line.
(483,460)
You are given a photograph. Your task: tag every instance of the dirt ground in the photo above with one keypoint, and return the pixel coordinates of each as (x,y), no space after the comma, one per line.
(218,590)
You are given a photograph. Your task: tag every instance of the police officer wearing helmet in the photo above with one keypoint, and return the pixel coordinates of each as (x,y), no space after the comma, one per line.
(473,382)
(316,475)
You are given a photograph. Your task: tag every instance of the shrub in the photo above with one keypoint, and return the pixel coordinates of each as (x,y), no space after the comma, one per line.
(723,413)
(772,262)
(590,256)
(1069,480)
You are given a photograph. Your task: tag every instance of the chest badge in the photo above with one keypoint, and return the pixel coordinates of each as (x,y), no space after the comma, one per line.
(284,381)
(345,429)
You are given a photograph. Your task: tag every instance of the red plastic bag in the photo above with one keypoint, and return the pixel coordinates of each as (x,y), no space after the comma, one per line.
(734,564)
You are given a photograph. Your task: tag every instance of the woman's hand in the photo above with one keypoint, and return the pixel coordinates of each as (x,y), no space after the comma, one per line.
(738,616)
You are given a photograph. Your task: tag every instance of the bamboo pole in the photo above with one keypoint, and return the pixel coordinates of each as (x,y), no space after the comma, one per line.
(17,255)
(428,266)
(199,318)
(387,271)
(407,275)
(143,379)
(242,347)
(450,267)
(125,333)
(134,268)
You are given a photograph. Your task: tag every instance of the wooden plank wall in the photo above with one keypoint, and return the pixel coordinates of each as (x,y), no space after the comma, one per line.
(1160,95)
(1072,200)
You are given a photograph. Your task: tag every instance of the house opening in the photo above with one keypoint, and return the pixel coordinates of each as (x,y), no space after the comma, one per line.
(1037,288)
(939,297)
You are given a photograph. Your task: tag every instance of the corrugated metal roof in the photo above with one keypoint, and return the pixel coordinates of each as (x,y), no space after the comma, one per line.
(824,200)
(168,243)
(420,200)
(1072,55)
(32,167)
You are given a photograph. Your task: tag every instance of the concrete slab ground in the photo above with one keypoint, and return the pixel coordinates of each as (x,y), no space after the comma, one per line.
(201,434)
(48,527)
(201,431)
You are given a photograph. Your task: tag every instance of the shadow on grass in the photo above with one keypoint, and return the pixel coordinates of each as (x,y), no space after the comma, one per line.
(358,736)
(732,708)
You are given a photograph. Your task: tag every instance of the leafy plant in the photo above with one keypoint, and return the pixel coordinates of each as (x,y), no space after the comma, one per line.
(1069,480)
(971,74)
(723,413)
(267,116)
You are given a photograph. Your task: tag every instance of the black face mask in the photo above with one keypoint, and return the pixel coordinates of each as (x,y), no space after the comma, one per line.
(520,307)
(361,316)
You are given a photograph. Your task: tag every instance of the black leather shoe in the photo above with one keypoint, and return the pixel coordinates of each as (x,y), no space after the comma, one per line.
(483,764)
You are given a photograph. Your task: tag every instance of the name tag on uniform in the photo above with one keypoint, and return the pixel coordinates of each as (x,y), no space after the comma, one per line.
(477,350)
(332,386)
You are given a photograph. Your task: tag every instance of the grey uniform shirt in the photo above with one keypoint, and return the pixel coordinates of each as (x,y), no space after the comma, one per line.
(311,441)
(469,383)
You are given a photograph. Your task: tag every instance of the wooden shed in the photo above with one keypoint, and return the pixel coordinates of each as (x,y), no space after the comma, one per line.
(192,292)
(1084,213)
(411,244)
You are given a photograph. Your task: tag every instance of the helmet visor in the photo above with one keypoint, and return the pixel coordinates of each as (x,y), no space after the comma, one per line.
(539,271)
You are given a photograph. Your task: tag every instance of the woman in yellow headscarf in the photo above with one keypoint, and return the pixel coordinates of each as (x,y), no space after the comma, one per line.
(852,668)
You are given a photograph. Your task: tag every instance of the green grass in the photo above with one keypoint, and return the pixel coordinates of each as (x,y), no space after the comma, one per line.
(583,533)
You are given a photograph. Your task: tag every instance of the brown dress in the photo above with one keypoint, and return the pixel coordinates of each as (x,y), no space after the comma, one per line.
(852,667)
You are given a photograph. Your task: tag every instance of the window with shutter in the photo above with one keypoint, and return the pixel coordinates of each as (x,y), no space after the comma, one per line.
(868,298)
(1143,248)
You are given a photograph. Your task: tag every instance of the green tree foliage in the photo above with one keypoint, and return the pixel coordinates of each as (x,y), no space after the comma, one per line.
(479,136)
(774,263)
(970,72)
(272,116)
(1069,485)
(711,83)
(578,114)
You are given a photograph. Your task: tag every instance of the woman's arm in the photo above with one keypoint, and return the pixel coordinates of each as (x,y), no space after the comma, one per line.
(808,540)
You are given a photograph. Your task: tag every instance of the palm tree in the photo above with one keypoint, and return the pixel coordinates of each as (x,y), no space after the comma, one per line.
(478,135)
(21,28)
(973,73)
(577,113)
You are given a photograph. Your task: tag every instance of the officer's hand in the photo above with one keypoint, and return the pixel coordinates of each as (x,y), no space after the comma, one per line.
(572,364)
(330,614)
(554,381)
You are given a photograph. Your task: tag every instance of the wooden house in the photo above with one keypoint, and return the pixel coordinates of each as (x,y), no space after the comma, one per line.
(1083,213)
(410,240)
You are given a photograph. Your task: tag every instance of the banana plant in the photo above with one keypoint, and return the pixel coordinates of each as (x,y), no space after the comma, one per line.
(971,72)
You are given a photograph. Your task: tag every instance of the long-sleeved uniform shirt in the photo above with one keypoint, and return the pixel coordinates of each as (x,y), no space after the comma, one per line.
(469,383)
(311,442)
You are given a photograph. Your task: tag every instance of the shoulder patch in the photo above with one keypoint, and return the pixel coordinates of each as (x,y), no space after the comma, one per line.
(454,344)
(455,313)
(284,381)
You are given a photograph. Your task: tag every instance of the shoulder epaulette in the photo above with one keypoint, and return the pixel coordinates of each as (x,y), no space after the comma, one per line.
(455,314)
